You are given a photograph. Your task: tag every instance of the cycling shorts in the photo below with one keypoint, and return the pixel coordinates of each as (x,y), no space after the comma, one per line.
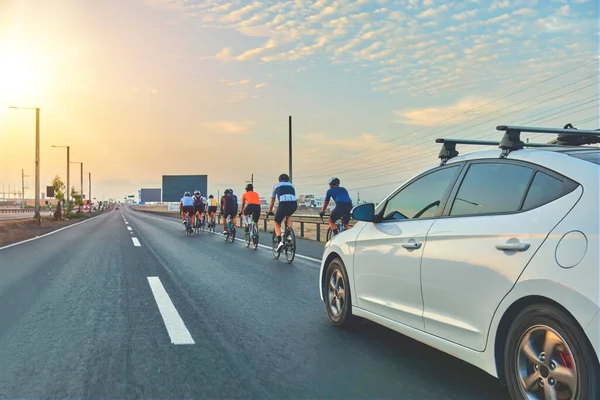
(212,209)
(254,210)
(341,210)
(199,209)
(229,212)
(285,209)
(188,209)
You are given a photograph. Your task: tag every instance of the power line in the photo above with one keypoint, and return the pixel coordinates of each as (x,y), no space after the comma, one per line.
(473,109)
(386,164)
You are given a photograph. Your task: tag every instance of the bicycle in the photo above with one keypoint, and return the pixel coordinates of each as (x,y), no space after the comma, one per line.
(230,232)
(188,225)
(198,225)
(211,224)
(251,233)
(339,224)
(289,242)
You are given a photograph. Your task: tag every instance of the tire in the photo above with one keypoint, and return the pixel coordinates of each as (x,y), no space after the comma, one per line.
(339,318)
(232,236)
(290,250)
(255,237)
(572,353)
(247,237)
(329,234)
(274,244)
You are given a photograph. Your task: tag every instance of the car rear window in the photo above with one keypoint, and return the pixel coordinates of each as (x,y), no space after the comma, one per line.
(590,156)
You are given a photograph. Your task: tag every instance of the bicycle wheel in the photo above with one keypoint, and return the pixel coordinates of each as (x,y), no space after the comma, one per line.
(255,236)
(329,234)
(290,248)
(247,237)
(274,244)
(232,234)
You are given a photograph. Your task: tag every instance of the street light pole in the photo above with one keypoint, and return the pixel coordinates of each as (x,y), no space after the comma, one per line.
(90,190)
(290,149)
(37,157)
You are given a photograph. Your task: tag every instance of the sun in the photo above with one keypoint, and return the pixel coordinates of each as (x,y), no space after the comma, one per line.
(19,77)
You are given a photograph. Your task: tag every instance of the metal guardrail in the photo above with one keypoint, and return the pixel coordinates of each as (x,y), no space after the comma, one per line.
(16,210)
(302,219)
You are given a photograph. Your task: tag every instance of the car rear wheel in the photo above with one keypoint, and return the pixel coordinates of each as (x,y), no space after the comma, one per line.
(548,357)
(337,295)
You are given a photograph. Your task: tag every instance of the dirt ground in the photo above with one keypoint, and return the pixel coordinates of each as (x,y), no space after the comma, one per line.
(16,231)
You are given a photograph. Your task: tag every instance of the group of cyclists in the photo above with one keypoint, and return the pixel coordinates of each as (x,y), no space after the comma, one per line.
(197,205)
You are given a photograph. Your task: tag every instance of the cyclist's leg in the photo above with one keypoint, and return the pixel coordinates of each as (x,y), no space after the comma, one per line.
(335,215)
(279,217)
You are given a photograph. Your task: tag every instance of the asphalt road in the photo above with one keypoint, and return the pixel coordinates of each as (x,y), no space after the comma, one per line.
(86,312)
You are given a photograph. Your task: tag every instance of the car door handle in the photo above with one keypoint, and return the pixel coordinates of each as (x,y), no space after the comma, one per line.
(411,245)
(513,246)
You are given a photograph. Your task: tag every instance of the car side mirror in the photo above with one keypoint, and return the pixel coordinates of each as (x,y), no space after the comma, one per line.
(364,212)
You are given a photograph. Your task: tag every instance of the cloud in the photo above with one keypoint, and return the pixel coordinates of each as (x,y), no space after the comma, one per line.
(526,12)
(241,127)
(254,52)
(464,15)
(432,12)
(436,115)
(235,83)
(564,10)
(499,4)
(261,85)
(237,14)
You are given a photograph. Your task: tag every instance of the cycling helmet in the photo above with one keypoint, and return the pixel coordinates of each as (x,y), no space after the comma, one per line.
(334,181)
(231,191)
(197,192)
(211,196)
(284,178)
(187,194)
(249,187)
(227,191)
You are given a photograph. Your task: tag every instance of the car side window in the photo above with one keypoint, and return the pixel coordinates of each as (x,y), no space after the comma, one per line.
(490,188)
(545,189)
(421,198)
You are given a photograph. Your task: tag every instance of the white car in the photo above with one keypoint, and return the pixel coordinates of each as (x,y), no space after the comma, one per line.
(491,257)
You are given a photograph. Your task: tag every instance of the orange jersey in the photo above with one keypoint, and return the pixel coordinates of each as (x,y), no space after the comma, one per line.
(250,198)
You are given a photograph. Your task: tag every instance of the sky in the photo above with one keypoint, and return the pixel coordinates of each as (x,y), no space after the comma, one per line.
(142,88)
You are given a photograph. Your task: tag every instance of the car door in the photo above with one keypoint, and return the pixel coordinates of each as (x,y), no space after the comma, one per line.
(387,257)
(499,215)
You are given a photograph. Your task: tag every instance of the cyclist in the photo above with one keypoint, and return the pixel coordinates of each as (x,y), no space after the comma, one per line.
(228,209)
(186,205)
(252,199)
(212,206)
(235,199)
(343,205)
(199,204)
(285,192)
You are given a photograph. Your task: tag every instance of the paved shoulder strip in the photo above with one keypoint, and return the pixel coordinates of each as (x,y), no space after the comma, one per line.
(178,332)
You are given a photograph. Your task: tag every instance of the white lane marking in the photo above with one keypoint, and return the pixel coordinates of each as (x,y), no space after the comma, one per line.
(178,333)
(136,242)
(127,222)
(128,228)
(50,233)
(131,233)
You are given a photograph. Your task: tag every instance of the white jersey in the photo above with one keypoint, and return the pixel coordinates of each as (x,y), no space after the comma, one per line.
(187,201)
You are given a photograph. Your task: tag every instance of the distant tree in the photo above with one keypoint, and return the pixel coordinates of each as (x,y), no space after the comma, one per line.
(59,194)
(77,199)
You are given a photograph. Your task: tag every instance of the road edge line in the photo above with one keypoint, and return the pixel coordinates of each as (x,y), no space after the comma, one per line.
(49,233)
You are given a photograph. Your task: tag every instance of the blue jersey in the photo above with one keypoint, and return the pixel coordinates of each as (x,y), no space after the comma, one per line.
(284,191)
(339,195)
(187,201)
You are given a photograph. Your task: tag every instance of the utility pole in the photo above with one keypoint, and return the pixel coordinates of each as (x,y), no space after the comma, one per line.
(290,140)
(90,191)
(23,176)
(81,193)
(251,180)
(358,198)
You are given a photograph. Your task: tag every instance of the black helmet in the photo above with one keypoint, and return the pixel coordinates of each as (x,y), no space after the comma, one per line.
(284,178)
(249,187)
(334,181)
(187,194)
(196,192)
(227,191)
(211,196)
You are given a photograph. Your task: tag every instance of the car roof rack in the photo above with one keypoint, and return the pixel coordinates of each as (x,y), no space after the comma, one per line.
(449,151)
(569,136)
